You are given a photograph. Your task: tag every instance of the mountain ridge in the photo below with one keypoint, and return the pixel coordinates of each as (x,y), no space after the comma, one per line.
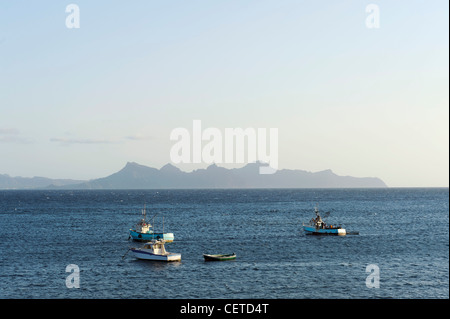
(8,182)
(137,176)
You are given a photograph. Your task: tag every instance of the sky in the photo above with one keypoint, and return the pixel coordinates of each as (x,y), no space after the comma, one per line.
(362,101)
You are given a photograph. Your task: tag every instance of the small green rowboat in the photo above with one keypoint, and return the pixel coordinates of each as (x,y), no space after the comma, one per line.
(219,257)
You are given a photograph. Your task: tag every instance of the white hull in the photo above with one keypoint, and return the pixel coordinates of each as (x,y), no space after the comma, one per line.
(146,254)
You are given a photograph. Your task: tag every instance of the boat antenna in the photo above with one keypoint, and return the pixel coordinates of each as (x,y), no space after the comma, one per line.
(153,220)
(144,213)
(316,209)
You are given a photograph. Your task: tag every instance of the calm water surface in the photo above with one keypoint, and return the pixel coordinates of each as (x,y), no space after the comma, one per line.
(404,232)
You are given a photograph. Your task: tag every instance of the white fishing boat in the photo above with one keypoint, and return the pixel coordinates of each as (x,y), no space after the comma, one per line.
(317,226)
(155,250)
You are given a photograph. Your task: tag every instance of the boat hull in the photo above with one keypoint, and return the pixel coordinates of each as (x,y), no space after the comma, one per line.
(148,255)
(144,237)
(311,230)
(219,257)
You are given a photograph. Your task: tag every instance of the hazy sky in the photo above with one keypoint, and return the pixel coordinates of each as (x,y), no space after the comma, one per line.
(79,103)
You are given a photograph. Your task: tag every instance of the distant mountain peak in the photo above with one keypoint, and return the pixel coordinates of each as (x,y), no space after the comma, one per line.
(214,166)
(131,165)
(169,168)
(326,172)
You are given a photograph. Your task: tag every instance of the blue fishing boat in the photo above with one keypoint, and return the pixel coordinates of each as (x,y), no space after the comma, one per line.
(143,231)
(317,226)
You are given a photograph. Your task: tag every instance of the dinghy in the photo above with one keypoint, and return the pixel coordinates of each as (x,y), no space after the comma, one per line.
(219,257)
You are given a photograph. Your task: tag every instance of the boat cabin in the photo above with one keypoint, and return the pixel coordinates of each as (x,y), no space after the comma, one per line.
(156,247)
(143,227)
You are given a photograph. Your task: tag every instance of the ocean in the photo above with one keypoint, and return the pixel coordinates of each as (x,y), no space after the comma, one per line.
(401,252)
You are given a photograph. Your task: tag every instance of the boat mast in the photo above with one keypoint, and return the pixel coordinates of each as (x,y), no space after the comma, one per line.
(144,214)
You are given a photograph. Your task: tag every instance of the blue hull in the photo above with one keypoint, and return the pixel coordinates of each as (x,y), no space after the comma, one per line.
(168,237)
(311,230)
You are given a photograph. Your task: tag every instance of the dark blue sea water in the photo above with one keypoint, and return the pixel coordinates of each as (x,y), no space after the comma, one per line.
(403,232)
